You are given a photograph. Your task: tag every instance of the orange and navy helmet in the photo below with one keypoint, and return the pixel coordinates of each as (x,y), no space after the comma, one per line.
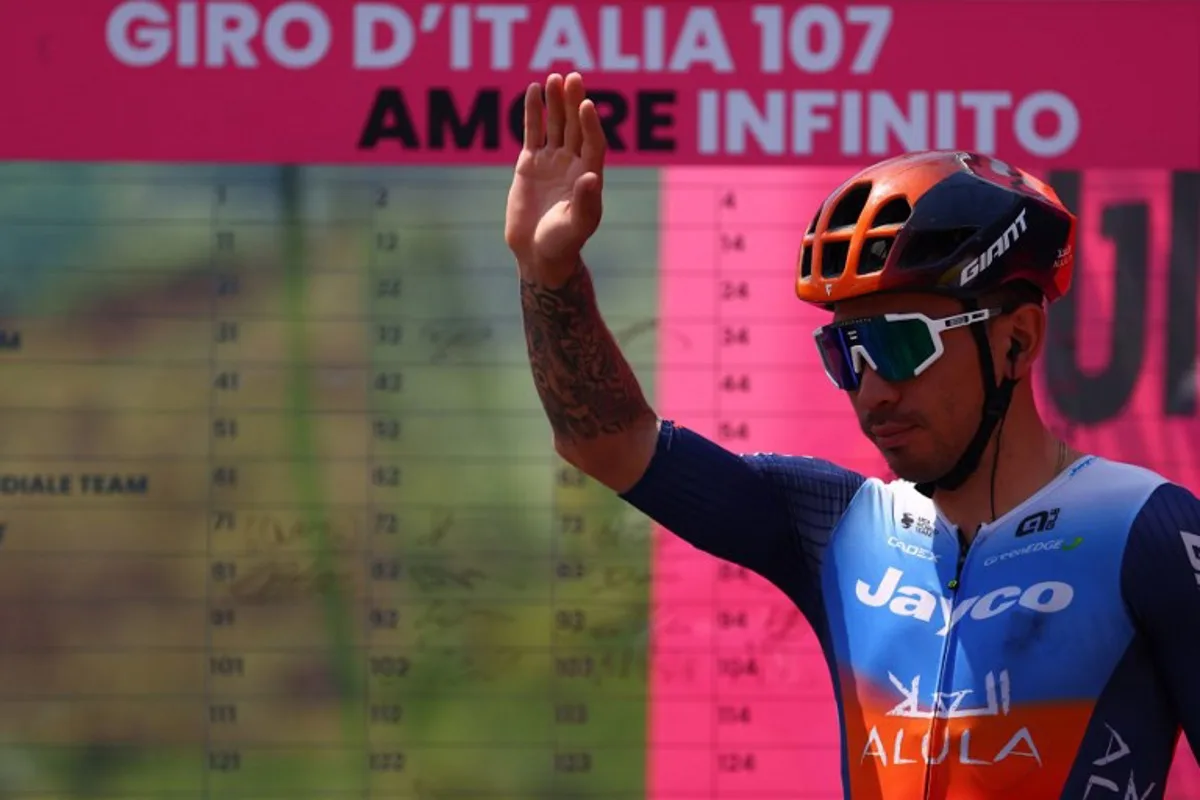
(949,222)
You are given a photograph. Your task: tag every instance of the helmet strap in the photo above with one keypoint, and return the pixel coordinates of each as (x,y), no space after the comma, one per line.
(996,399)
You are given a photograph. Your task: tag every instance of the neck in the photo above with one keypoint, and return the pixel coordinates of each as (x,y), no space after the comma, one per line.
(1030,456)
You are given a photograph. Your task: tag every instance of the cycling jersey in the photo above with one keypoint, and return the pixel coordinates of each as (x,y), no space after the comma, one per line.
(1056,656)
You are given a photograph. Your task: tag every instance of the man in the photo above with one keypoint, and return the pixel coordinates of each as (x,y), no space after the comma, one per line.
(1009,618)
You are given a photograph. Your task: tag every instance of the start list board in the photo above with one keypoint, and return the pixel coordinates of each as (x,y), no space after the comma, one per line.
(281,515)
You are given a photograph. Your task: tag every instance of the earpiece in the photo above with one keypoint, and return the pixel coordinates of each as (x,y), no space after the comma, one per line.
(1014,350)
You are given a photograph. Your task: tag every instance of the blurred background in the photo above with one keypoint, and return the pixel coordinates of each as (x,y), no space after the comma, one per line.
(281,513)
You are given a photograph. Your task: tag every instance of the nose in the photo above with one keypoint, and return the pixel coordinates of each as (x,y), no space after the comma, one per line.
(874,392)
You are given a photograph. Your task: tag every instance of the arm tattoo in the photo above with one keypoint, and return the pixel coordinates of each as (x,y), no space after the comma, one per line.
(583,380)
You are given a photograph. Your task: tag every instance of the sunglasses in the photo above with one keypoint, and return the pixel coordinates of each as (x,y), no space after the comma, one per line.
(896,346)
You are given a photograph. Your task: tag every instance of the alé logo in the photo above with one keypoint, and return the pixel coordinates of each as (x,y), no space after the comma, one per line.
(1046,597)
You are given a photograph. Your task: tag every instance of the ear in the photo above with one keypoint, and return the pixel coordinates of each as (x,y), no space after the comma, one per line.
(1023,342)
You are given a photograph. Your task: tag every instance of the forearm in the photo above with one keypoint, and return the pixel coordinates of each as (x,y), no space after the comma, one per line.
(599,416)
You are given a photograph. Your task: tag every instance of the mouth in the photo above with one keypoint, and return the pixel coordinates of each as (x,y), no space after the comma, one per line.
(891,435)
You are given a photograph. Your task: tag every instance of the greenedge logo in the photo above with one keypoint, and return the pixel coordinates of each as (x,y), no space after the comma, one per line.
(1035,547)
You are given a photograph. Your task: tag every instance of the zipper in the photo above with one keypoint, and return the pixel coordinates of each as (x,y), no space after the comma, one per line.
(954,584)
(962,559)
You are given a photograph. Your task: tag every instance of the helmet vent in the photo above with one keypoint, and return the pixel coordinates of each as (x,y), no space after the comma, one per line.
(850,207)
(893,212)
(833,258)
(874,254)
(805,261)
(927,248)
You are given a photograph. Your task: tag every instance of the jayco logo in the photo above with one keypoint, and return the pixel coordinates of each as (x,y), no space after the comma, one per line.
(1046,597)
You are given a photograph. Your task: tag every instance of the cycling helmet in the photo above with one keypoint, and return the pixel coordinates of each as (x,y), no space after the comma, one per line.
(944,221)
(948,222)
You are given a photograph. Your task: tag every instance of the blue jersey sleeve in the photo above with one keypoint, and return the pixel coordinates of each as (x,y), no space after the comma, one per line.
(768,513)
(1160,580)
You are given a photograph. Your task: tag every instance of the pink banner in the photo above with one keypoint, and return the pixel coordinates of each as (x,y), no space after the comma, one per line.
(728,250)
(337,81)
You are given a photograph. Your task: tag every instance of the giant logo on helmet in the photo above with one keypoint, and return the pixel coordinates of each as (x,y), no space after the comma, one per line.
(997,249)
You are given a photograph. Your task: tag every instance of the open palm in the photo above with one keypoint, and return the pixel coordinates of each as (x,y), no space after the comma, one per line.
(554,203)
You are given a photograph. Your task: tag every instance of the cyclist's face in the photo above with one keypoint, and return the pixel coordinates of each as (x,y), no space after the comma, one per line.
(921,425)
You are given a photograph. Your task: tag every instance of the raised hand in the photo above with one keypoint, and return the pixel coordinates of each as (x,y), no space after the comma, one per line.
(554,203)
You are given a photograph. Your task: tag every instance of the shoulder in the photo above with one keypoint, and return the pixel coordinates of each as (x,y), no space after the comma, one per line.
(878,500)
(1160,570)
(1140,512)
(1092,472)
(786,468)
(816,491)
(1160,520)
(802,473)
(1106,494)
(1169,516)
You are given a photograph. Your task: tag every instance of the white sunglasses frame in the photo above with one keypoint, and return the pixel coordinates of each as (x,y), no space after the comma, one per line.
(860,356)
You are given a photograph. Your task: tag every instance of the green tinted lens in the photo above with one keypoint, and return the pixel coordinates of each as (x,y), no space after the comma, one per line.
(897,347)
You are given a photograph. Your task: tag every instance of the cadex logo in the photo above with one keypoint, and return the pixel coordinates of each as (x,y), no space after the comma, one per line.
(1046,597)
